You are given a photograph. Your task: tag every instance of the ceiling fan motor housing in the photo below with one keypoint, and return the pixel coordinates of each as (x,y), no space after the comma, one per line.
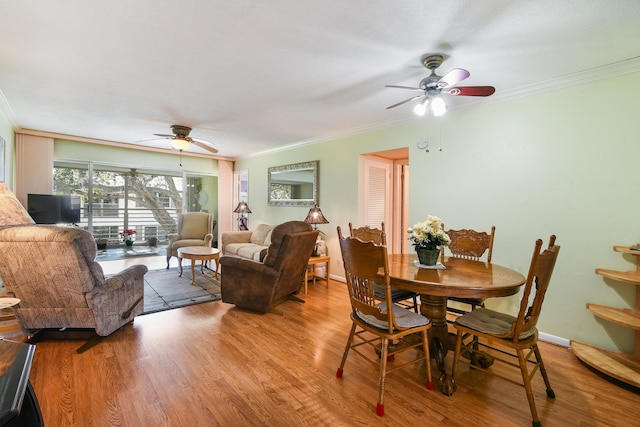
(181,131)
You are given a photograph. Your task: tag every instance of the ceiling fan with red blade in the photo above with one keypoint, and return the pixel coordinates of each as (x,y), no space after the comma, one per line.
(180,140)
(433,86)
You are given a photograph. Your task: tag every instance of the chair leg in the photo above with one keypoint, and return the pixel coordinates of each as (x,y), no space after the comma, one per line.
(456,355)
(543,371)
(527,385)
(425,349)
(168,259)
(346,351)
(383,372)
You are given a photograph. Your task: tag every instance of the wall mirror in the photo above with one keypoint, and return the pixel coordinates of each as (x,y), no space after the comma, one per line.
(294,185)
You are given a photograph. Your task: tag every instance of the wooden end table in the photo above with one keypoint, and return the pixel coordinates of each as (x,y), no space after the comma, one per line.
(201,253)
(313,261)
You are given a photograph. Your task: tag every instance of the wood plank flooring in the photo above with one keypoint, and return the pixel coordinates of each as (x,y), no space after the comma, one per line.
(214,365)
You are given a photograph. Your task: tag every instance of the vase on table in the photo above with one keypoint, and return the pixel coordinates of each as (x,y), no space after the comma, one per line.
(428,256)
(129,243)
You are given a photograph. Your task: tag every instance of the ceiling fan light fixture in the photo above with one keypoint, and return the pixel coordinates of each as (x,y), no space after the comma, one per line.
(438,106)
(180,143)
(421,108)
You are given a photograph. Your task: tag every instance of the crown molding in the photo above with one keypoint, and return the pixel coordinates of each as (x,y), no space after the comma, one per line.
(6,110)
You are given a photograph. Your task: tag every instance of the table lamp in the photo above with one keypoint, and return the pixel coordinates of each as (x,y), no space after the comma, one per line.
(244,211)
(315,217)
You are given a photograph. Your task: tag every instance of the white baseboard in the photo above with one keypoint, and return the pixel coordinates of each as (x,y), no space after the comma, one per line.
(338,278)
(563,342)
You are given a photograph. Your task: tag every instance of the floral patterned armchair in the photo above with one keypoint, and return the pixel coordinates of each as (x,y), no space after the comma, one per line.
(52,270)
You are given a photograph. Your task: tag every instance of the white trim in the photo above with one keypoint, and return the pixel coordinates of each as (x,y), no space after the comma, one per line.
(552,339)
(7,111)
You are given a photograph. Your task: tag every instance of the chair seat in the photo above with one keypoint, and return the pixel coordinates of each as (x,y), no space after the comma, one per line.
(404,318)
(491,322)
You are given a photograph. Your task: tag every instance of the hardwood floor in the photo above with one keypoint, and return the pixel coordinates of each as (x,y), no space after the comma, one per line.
(212,364)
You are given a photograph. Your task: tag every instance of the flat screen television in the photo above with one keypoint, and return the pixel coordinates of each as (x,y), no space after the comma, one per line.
(54,208)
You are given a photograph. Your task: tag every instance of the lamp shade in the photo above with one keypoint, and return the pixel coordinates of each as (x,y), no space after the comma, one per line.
(242,208)
(180,143)
(315,216)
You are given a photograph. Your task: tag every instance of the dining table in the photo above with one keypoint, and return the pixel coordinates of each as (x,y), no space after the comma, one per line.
(453,277)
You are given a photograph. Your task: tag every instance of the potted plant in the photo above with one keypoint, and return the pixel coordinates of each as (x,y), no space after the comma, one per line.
(427,238)
(127,236)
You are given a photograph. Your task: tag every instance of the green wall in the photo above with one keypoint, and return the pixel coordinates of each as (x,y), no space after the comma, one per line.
(6,132)
(561,162)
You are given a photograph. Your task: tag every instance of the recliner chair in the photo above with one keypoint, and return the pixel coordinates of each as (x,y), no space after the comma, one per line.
(260,286)
(52,270)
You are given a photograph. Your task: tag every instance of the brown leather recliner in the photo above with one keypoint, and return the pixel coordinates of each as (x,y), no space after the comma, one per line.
(260,286)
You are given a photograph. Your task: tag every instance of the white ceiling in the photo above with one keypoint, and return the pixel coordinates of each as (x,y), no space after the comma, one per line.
(251,76)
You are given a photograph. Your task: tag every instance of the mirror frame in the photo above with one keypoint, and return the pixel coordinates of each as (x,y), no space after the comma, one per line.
(314,165)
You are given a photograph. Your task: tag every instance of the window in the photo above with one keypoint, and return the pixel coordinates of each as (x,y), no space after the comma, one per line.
(116,198)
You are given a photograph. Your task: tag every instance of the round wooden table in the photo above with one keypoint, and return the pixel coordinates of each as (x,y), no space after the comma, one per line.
(201,253)
(461,278)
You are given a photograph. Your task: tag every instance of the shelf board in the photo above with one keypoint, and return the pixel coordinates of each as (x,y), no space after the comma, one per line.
(632,277)
(621,316)
(621,366)
(626,250)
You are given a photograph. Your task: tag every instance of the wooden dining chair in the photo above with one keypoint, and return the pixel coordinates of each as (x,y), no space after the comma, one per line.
(469,244)
(374,323)
(378,236)
(485,329)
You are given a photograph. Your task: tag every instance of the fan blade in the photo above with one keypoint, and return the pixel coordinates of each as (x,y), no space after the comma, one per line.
(472,91)
(406,87)
(453,77)
(404,102)
(164,135)
(150,139)
(203,145)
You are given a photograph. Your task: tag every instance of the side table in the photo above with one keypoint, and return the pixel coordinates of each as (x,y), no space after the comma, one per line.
(201,253)
(313,261)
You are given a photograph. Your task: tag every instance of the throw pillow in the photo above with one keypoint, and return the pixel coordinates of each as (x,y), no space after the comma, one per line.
(260,234)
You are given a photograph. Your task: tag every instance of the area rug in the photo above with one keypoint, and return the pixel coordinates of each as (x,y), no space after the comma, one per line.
(164,290)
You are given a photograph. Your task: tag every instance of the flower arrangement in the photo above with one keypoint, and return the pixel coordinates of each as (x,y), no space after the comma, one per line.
(127,235)
(428,234)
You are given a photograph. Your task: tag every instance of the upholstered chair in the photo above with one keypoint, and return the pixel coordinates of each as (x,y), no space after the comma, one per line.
(194,229)
(52,270)
(260,286)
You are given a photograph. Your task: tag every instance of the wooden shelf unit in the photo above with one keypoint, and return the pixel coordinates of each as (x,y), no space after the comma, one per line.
(619,365)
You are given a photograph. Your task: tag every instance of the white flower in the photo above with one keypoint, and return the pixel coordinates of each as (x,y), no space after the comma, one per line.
(428,234)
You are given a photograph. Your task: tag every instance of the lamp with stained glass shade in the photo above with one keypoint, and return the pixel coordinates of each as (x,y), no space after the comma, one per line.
(315,217)
(243,210)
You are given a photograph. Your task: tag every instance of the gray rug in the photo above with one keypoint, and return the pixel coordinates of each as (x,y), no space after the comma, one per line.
(164,290)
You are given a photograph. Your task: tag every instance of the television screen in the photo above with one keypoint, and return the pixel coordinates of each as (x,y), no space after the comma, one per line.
(54,209)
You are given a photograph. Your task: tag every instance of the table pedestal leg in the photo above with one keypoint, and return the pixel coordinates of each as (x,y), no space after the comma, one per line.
(435,309)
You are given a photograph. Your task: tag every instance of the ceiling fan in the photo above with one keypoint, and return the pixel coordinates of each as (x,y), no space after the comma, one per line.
(432,87)
(180,140)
